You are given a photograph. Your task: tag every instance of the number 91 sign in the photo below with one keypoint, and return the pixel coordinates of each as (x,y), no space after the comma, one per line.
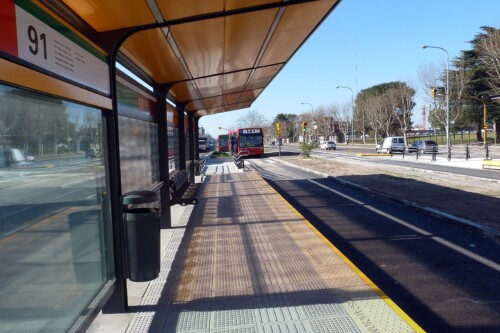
(41,40)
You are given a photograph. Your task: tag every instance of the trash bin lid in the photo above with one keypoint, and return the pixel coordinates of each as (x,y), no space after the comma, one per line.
(139,197)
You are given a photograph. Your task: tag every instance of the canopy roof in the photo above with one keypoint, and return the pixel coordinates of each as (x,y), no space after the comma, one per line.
(213,55)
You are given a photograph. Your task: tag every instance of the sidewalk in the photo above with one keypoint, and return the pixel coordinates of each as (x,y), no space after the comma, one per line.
(471,163)
(170,240)
(248,262)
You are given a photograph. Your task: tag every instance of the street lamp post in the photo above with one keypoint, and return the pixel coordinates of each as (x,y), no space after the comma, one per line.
(352,120)
(448,140)
(312,116)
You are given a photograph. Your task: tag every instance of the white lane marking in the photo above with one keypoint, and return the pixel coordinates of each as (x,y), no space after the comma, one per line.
(461,250)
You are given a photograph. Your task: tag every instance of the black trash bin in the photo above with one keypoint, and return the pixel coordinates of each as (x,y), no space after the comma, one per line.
(142,236)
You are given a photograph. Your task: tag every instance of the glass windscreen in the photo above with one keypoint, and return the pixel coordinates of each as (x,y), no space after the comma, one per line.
(251,140)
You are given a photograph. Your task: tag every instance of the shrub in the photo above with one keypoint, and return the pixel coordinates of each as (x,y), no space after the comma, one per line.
(306,149)
(217,154)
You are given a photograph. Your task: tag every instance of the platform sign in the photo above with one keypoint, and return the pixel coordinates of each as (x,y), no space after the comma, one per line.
(31,34)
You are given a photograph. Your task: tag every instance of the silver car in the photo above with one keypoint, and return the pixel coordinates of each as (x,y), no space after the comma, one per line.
(424,146)
(327,145)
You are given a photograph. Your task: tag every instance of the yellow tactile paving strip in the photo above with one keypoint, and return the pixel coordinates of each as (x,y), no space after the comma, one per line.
(249,262)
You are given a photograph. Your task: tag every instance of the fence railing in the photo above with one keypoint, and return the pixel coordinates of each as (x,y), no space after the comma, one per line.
(462,152)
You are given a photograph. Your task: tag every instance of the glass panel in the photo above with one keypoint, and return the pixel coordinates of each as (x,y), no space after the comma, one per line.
(139,163)
(55,229)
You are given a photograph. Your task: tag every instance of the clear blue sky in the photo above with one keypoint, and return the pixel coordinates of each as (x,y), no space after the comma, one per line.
(366,42)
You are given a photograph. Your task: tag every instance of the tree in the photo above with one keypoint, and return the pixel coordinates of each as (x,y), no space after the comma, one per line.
(288,124)
(332,113)
(344,120)
(385,108)
(252,119)
(361,118)
(488,49)
(478,85)
(487,46)
(431,76)
(400,97)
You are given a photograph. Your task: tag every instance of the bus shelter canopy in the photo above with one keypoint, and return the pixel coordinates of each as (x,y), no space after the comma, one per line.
(213,55)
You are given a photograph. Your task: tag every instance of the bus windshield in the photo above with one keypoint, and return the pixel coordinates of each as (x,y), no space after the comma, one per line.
(203,144)
(251,140)
(223,140)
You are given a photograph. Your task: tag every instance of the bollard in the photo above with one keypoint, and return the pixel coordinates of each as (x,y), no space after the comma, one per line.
(434,152)
(467,152)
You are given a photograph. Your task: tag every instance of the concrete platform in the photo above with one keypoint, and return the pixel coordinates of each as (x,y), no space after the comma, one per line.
(243,260)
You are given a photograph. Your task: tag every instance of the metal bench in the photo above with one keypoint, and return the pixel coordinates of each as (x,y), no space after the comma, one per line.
(182,192)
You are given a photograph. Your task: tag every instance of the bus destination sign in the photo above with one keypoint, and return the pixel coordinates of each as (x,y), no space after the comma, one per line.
(251,131)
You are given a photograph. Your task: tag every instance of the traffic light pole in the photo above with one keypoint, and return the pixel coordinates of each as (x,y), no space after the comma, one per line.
(280,140)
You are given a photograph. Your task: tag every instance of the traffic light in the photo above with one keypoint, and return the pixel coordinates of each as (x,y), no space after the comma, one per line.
(278,128)
(434,92)
(304,127)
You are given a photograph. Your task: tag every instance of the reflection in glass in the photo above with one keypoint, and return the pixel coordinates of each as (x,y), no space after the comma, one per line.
(55,228)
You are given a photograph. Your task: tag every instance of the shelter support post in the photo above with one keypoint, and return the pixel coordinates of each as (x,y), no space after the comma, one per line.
(192,148)
(163,145)
(117,302)
(182,137)
(196,130)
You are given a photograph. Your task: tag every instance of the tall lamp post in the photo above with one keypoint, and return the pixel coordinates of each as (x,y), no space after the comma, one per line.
(312,116)
(447,94)
(352,120)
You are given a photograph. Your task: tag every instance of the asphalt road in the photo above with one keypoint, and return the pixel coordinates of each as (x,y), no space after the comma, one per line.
(443,276)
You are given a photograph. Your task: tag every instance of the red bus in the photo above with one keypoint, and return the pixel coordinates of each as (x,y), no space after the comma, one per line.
(223,142)
(247,141)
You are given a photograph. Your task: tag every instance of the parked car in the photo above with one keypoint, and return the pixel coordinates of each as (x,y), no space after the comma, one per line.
(391,144)
(327,145)
(424,146)
(91,153)
(412,148)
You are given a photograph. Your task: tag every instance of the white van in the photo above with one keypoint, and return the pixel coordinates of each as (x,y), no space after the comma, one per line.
(10,157)
(391,144)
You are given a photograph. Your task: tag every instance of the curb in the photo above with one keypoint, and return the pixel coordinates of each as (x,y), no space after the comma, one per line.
(434,212)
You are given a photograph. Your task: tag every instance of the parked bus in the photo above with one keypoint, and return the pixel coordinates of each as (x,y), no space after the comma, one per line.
(202,144)
(223,142)
(247,141)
